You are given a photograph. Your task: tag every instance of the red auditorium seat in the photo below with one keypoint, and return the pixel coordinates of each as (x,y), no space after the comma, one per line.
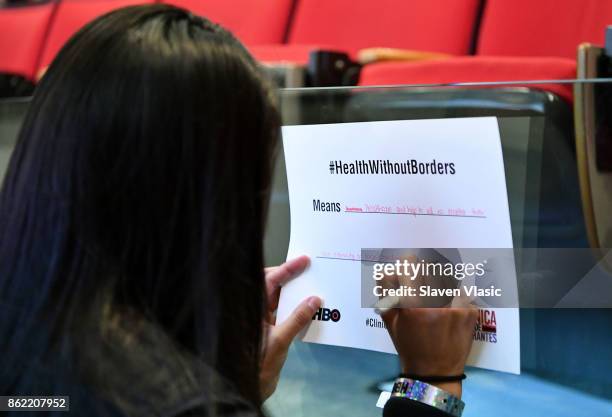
(254,22)
(428,25)
(22,33)
(542,27)
(518,40)
(351,25)
(71,15)
(475,69)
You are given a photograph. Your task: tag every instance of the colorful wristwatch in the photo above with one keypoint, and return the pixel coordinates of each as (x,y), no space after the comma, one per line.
(427,394)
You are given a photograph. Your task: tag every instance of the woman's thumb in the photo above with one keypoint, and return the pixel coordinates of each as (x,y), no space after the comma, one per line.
(298,320)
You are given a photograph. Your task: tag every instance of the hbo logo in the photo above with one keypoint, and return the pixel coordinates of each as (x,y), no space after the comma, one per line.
(325,314)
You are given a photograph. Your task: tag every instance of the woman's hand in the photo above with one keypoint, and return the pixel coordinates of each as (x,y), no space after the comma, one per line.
(280,336)
(432,341)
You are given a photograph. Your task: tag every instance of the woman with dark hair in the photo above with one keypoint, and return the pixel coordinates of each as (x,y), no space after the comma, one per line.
(131,229)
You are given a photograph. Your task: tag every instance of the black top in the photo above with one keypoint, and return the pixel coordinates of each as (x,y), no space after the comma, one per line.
(129,373)
(402,407)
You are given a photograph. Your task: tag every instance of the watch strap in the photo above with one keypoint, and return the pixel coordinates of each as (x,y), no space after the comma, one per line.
(422,392)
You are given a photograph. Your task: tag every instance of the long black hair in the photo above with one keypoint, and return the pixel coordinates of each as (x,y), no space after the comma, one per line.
(139,187)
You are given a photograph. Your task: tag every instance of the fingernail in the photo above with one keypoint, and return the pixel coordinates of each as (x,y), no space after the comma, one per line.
(314,303)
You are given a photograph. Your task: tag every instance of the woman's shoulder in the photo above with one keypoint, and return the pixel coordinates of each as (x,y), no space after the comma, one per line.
(165,396)
(52,377)
(129,370)
(143,373)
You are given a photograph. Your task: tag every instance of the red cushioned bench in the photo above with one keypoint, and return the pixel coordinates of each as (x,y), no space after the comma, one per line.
(518,40)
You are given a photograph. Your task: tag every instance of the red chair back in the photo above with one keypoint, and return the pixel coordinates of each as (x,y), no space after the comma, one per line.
(72,15)
(22,35)
(427,25)
(254,22)
(542,27)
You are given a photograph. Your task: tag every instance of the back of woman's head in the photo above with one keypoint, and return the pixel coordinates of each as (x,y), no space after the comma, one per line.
(139,186)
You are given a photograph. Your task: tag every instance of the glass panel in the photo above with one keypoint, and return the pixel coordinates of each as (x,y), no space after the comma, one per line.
(12,113)
(566,358)
(537,134)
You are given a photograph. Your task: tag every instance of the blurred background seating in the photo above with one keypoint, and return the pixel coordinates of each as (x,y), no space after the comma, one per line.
(254,22)
(517,40)
(347,42)
(70,16)
(23,31)
(350,26)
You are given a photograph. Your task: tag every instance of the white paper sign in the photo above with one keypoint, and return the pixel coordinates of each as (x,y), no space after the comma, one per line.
(393,184)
